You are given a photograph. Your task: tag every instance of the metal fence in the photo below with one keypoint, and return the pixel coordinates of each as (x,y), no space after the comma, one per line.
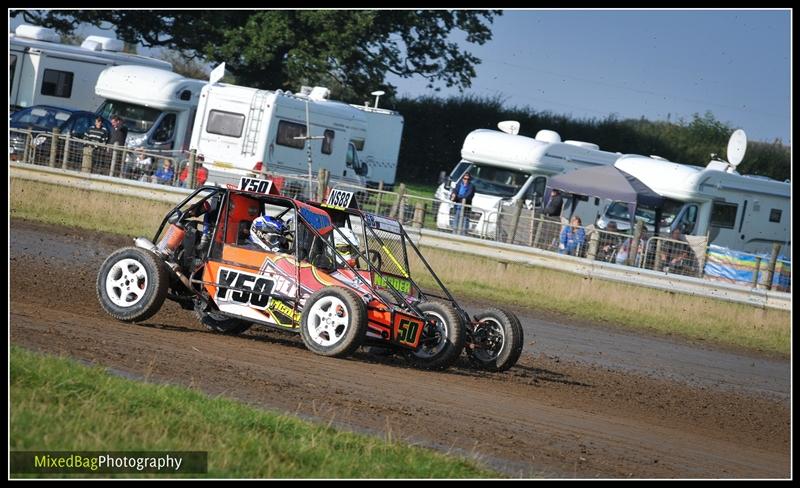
(510,224)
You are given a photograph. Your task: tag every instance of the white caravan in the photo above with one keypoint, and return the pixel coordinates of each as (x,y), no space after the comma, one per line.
(158,107)
(380,147)
(239,129)
(42,71)
(506,168)
(740,212)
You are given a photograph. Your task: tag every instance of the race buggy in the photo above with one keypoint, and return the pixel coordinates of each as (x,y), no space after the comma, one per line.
(339,276)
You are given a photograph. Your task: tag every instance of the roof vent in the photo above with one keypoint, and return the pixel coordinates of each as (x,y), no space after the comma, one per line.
(548,136)
(37,33)
(319,93)
(97,43)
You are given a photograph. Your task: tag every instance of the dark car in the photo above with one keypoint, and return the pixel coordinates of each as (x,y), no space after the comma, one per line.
(41,120)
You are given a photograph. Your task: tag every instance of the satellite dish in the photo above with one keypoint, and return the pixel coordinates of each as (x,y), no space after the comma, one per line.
(736,147)
(377,94)
(509,127)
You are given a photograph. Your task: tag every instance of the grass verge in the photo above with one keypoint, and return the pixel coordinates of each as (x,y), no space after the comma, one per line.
(60,405)
(472,277)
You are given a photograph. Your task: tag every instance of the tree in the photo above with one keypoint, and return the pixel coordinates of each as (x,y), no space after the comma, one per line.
(352,52)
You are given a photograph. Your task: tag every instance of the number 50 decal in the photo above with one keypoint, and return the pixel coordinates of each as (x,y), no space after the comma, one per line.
(407,330)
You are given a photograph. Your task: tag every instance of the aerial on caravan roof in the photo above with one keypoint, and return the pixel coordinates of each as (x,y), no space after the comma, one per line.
(42,71)
(506,167)
(241,130)
(741,212)
(381,147)
(157,106)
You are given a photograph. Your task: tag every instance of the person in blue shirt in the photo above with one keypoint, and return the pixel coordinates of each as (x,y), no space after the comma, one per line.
(572,237)
(461,196)
(165,175)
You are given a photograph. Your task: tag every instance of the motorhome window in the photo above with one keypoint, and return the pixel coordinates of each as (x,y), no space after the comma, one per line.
(775,215)
(536,191)
(137,118)
(288,131)
(225,123)
(327,142)
(57,83)
(358,143)
(499,182)
(619,211)
(723,215)
(165,129)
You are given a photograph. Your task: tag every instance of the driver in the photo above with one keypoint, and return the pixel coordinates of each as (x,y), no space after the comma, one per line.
(346,243)
(269,234)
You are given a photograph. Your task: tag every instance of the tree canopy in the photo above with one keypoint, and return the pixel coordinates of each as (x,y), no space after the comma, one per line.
(350,51)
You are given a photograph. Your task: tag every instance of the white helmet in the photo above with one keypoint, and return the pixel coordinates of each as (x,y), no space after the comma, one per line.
(347,244)
(269,233)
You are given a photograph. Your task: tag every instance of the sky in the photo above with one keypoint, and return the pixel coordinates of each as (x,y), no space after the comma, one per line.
(656,64)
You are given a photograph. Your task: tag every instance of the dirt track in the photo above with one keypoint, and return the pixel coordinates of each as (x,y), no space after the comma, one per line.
(553,415)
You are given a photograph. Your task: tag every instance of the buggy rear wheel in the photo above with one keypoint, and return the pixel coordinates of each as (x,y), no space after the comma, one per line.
(497,340)
(334,322)
(132,284)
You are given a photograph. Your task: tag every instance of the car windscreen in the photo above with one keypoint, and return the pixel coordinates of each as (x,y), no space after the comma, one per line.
(137,118)
(40,118)
(498,182)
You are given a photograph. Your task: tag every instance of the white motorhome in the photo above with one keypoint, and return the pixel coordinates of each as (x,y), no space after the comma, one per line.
(42,71)
(506,167)
(239,129)
(741,212)
(157,106)
(380,146)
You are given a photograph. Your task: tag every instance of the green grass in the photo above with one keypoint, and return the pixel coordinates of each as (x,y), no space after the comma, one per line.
(482,279)
(420,190)
(60,405)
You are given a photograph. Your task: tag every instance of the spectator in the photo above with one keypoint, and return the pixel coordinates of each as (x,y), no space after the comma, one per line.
(676,254)
(119,133)
(461,196)
(553,208)
(97,134)
(141,168)
(572,237)
(624,250)
(201,173)
(610,242)
(165,174)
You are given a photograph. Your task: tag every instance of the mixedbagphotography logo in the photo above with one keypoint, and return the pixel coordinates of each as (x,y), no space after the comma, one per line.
(162,462)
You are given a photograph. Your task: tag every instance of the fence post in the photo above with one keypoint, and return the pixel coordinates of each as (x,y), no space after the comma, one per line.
(594,242)
(378,200)
(192,176)
(657,259)
(393,211)
(322,183)
(54,147)
(86,163)
(633,249)
(65,158)
(515,219)
(419,215)
(773,260)
(113,160)
(755,273)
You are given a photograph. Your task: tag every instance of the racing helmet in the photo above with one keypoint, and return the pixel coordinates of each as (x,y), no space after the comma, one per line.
(269,234)
(347,244)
